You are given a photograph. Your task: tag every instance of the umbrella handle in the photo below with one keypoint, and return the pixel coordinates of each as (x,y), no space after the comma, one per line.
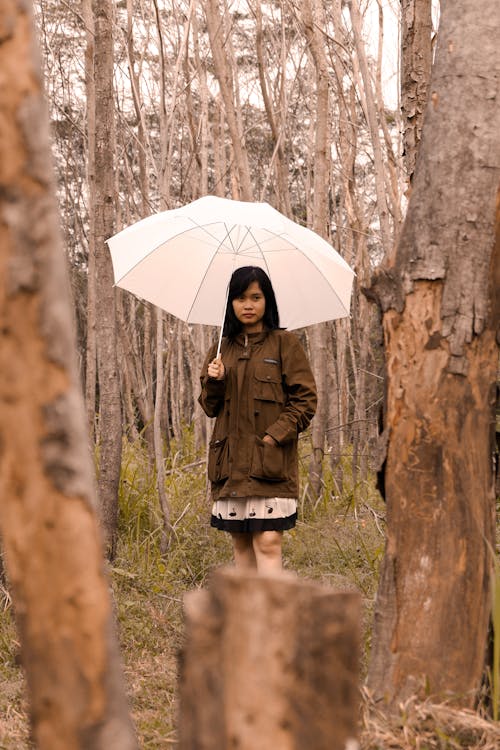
(220,342)
(222,324)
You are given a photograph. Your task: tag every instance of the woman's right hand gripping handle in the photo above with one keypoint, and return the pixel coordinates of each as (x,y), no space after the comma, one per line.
(216,369)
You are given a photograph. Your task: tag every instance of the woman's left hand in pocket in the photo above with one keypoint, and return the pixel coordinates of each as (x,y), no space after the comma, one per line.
(270,440)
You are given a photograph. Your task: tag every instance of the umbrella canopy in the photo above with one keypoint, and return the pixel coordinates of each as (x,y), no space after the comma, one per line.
(181,260)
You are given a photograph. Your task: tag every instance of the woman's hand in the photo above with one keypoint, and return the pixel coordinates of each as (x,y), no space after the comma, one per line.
(270,440)
(216,369)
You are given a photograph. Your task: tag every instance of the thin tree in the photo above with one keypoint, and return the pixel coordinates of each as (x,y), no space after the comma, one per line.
(276,111)
(440,303)
(373,124)
(90,347)
(110,425)
(50,535)
(314,22)
(220,41)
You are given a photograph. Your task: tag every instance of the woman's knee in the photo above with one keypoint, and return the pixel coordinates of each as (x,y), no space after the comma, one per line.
(268,543)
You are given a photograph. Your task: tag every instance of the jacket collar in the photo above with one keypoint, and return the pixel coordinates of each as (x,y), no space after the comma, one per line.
(249,339)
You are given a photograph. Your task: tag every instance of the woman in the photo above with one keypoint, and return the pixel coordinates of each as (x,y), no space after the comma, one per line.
(262,393)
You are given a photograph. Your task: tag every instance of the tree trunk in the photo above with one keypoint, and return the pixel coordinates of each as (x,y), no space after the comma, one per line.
(110,426)
(48,524)
(416,62)
(195,346)
(372,119)
(145,369)
(351,243)
(392,170)
(440,303)
(204,94)
(225,73)
(277,133)
(90,350)
(158,437)
(294,685)
(314,21)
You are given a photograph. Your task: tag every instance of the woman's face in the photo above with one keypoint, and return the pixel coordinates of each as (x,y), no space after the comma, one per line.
(250,307)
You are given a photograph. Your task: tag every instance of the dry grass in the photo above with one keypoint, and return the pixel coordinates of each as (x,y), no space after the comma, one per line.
(338,542)
(151,675)
(14,727)
(14,730)
(423,725)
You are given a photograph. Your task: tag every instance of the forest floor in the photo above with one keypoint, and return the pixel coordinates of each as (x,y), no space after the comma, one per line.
(339,541)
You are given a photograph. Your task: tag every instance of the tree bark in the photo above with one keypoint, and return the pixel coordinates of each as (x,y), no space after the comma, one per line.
(440,303)
(110,424)
(48,525)
(416,63)
(294,684)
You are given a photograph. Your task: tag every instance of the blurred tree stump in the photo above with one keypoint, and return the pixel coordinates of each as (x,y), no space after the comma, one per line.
(270,662)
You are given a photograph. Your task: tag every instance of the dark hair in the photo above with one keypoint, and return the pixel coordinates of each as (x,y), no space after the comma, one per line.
(239,283)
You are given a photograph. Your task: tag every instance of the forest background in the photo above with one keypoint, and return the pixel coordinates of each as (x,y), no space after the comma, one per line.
(151,106)
(253,101)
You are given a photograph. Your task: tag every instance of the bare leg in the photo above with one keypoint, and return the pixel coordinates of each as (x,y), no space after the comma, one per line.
(244,555)
(267,548)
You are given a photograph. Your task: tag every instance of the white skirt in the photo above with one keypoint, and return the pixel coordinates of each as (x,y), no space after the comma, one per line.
(249,514)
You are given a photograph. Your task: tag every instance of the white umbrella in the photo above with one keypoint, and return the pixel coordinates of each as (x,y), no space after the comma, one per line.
(181,260)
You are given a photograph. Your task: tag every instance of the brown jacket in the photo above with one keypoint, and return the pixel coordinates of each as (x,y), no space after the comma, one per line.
(268,388)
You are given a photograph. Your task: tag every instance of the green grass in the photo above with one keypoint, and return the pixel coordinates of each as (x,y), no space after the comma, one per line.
(338,541)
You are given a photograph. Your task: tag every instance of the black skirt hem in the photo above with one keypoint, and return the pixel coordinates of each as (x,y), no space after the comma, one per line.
(250,525)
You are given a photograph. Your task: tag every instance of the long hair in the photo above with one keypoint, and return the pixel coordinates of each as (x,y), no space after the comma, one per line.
(239,283)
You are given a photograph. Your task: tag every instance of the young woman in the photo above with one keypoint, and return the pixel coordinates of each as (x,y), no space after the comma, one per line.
(262,394)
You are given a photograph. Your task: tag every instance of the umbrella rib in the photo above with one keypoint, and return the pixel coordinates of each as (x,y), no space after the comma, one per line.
(309,261)
(207,269)
(323,275)
(257,244)
(217,244)
(204,228)
(234,252)
(155,248)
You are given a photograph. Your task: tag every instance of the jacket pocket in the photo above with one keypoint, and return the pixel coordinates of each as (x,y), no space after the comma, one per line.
(267,383)
(218,460)
(269,461)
